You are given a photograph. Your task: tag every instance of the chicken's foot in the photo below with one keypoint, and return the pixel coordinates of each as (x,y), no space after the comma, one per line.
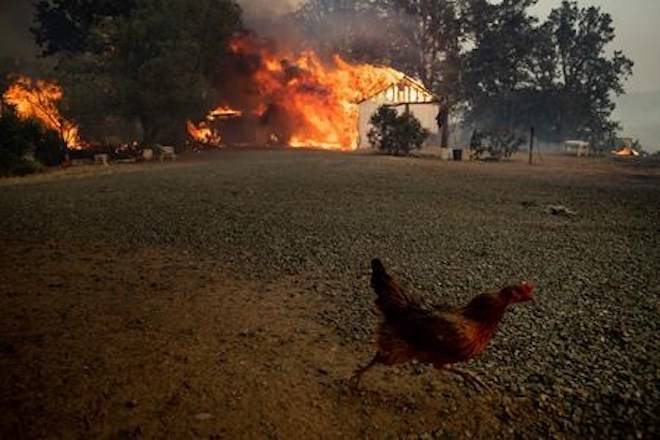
(357,375)
(470,377)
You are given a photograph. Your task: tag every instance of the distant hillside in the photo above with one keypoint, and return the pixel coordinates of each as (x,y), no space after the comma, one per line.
(640,115)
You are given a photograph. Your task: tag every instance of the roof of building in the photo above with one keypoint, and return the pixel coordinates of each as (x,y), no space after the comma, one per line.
(405,91)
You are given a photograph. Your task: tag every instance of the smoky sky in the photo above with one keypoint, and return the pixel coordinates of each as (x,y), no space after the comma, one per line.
(15,37)
(264,9)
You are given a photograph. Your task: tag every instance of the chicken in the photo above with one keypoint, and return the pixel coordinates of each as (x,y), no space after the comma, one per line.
(442,337)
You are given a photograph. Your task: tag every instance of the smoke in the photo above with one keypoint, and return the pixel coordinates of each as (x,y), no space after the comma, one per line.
(263,14)
(357,30)
(273,19)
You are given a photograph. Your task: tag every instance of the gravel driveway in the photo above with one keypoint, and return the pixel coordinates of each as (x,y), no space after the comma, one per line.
(586,353)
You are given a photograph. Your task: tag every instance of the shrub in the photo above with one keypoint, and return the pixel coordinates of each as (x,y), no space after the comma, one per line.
(49,149)
(396,134)
(23,141)
(499,143)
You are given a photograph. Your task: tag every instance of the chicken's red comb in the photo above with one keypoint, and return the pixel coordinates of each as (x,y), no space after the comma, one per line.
(527,285)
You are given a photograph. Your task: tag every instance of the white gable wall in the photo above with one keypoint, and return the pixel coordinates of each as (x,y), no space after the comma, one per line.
(425,112)
(419,102)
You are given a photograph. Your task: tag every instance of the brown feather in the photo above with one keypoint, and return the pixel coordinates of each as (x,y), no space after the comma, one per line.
(441,337)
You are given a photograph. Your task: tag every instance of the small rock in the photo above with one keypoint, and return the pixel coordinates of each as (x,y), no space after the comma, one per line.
(131,403)
(203,416)
(7,348)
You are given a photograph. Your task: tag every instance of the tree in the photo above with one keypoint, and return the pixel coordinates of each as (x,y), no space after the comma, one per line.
(348,27)
(156,65)
(556,77)
(396,134)
(585,76)
(499,143)
(497,71)
(68,25)
(22,138)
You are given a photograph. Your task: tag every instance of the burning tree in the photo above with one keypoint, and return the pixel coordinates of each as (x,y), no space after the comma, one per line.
(150,63)
(38,100)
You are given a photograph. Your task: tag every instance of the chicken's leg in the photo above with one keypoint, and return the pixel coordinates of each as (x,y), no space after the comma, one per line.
(357,375)
(470,377)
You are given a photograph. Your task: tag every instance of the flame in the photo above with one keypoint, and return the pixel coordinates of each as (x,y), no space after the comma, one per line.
(38,99)
(203,133)
(315,99)
(223,112)
(626,152)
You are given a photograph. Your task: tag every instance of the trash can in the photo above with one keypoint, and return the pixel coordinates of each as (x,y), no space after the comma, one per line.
(457,154)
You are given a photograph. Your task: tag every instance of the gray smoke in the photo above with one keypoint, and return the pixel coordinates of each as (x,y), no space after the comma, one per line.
(354,29)
(256,12)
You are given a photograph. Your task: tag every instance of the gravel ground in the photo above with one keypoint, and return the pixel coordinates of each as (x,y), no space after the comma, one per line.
(587,351)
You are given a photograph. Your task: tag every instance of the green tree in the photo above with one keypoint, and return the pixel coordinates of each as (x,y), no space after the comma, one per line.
(348,27)
(499,143)
(67,25)
(557,76)
(157,65)
(396,134)
(22,140)
(585,76)
(497,71)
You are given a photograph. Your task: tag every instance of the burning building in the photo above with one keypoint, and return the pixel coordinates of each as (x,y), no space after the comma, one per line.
(302,99)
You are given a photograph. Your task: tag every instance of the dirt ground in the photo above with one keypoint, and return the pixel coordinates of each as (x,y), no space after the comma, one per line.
(107,334)
(111,342)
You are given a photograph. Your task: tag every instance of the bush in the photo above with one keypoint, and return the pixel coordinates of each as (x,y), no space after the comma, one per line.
(49,149)
(23,141)
(499,143)
(396,134)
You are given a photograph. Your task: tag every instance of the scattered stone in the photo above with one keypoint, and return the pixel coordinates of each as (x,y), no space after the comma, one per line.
(560,210)
(131,403)
(203,416)
(7,348)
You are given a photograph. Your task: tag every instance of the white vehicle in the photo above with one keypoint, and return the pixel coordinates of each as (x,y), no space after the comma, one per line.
(579,148)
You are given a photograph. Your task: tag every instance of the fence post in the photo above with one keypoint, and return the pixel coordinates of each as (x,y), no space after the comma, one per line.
(531,145)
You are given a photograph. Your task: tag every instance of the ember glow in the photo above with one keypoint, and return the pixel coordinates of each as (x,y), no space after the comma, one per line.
(204,132)
(38,99)
(223,111)
(626,152)
(301,99)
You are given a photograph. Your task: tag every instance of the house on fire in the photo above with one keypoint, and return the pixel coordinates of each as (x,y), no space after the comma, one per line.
(404,95)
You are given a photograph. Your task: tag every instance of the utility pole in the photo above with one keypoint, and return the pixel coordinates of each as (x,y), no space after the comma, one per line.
(531,145)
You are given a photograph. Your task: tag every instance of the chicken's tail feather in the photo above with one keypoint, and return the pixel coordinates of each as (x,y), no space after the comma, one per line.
(377,266)
(392,299)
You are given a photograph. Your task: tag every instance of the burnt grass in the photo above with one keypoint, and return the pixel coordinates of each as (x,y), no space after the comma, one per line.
(586,352)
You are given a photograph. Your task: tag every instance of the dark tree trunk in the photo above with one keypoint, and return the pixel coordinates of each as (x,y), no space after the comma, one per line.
(150,131)
(444,141)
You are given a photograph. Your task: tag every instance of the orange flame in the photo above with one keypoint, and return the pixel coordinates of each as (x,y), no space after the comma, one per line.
(319,99)
(223,112)
(38,99)
(203,133)
(626,152)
